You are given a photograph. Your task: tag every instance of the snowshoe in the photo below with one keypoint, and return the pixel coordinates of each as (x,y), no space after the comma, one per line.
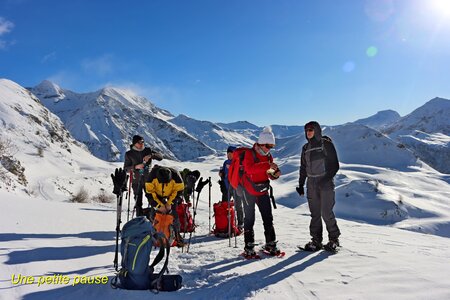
(272,249)
(311,246)
(276,253)
(332,246)
(249,253)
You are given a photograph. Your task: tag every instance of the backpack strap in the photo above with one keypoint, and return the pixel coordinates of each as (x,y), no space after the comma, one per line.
(155,285)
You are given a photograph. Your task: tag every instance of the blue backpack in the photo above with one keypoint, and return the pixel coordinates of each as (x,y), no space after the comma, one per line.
(138,238)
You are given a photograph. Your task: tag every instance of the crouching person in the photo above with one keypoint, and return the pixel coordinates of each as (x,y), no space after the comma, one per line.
(163,188)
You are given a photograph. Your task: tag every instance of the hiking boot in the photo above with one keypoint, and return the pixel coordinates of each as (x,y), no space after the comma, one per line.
(249,252)
(313,246)
(272,248)
(332,245)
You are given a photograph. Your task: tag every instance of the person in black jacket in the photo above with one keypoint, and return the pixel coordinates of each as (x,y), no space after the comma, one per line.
(138,160)
(319,163)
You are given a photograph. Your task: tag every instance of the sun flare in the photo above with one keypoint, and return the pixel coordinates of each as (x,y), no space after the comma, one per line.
(441,7)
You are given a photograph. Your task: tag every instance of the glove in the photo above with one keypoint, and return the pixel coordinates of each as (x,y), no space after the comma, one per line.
(190,183)
(300,190)
(119,179)
(201,184)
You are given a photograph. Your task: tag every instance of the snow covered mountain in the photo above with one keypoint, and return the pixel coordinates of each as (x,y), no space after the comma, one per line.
(36,149)
(426,131)
(380,120)
(212,134)
(106,120)
(356,144)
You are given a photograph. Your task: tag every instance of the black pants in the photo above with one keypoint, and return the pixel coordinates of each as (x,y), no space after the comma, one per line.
(321,202)
(138,192)
(265,208)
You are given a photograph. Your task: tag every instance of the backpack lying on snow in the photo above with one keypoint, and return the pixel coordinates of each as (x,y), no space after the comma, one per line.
(222,214)
(138,238)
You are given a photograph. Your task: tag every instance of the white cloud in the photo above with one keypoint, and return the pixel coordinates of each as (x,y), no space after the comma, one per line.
(5,26)
(48,57)
(101,66)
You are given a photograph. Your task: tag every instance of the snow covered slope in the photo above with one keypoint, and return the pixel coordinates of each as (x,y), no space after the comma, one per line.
(107,119)
(356,144)
(375,262)
(40,149)
(426,131)
(212,134)
(380,120)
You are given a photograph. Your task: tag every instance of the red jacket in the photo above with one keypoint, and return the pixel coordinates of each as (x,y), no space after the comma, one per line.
(255,172)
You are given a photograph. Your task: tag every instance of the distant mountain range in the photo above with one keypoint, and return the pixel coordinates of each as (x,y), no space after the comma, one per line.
(106,120)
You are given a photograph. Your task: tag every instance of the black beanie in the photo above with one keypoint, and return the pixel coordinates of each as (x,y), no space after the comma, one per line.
(137,138)
(164,175)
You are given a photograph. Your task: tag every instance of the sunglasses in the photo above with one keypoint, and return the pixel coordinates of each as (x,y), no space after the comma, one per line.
(309,129)
(140,142)
(269,146)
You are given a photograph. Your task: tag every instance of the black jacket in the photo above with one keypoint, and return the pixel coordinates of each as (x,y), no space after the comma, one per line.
(134,157)
(325,150)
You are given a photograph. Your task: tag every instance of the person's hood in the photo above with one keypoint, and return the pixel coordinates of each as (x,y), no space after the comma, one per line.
(317,130)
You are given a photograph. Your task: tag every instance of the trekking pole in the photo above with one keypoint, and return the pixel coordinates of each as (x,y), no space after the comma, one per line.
(199,188)
(119,213)
(118,221)
(185,211)
(235,215)
(209,201)
(235,222)
(229,217)
(129,195)
(193,221)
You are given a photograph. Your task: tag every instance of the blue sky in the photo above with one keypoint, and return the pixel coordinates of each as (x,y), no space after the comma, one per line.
(267,62)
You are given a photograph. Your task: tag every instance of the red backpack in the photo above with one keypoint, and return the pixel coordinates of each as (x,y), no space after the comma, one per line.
(221,220)
(236,170)
(186,222)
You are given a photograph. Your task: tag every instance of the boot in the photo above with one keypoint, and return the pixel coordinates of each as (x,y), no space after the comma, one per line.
(249,250)
(272,248)
(313,246)
(332,245)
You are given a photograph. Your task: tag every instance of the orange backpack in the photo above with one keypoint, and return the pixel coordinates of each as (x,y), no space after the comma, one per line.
(164,223)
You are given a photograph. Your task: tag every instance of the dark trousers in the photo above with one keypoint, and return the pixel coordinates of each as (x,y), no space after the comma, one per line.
(265,208)
(321,202)
(138,192)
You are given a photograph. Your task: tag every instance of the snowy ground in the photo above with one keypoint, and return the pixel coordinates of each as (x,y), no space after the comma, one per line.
(39,237)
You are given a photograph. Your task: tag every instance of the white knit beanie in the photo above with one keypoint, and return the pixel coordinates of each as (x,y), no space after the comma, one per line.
(266,136)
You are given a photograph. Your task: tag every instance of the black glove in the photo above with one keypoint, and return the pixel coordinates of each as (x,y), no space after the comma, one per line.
(190,183)
(119,179)
(300,190)
(201,184)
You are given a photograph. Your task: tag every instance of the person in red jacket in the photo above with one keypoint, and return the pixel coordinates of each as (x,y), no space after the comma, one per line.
(259,169)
